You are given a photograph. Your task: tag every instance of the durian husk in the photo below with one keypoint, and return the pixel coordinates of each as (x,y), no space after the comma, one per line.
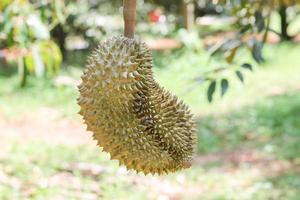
(134,119)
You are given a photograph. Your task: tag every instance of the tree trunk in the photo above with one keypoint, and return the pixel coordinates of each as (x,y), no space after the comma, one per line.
(60,36)
(189,16)
(22,71)
(284,24)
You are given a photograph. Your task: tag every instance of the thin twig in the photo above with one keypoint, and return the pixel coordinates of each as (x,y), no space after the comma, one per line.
(265,36)
(272,30)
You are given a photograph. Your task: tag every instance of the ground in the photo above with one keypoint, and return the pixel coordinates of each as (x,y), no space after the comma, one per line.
(248,142)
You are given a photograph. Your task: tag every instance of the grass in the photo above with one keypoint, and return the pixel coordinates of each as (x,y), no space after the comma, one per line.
(271,125)
(261,117)
(39,92)
(40,170)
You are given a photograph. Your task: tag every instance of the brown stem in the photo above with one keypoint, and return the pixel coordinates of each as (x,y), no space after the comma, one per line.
(129,13)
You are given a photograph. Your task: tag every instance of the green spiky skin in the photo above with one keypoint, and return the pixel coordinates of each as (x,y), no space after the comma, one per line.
(139,123)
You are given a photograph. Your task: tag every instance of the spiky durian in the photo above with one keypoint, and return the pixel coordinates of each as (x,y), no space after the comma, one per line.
(139,123)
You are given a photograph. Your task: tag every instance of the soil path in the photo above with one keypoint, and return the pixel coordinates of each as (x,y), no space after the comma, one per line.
(44,124)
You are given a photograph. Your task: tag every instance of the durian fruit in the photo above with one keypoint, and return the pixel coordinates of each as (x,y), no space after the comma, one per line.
(139,123)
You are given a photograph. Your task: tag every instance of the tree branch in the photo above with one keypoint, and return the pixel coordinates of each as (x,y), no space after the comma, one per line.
(129,14)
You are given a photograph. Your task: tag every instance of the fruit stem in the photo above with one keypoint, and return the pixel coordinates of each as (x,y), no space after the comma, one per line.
(129,14)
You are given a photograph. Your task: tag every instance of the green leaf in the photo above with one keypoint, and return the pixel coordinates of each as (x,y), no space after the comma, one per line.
(211,90)
(51,56)
(224,86)
(259,21)
(4,4)
(23,38)
(214,49)
(257,52)
(231,44)
(39,29)
(244,29)
(240,76)
(57,56)
(247,66)
(39,66)
(59,8)
(29,63)
(7,19)
(8,26)
(229,55)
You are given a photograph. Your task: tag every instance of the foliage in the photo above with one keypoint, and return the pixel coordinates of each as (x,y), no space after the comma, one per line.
(253,19)
(26,35)
(92,20)
(252,28)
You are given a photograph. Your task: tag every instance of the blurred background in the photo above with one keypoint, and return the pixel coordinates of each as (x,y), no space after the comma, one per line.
(236,63)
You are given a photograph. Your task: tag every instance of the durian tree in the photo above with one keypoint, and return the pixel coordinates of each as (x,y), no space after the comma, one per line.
(253,20)
(245,10)
(252,27)
(25,38)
